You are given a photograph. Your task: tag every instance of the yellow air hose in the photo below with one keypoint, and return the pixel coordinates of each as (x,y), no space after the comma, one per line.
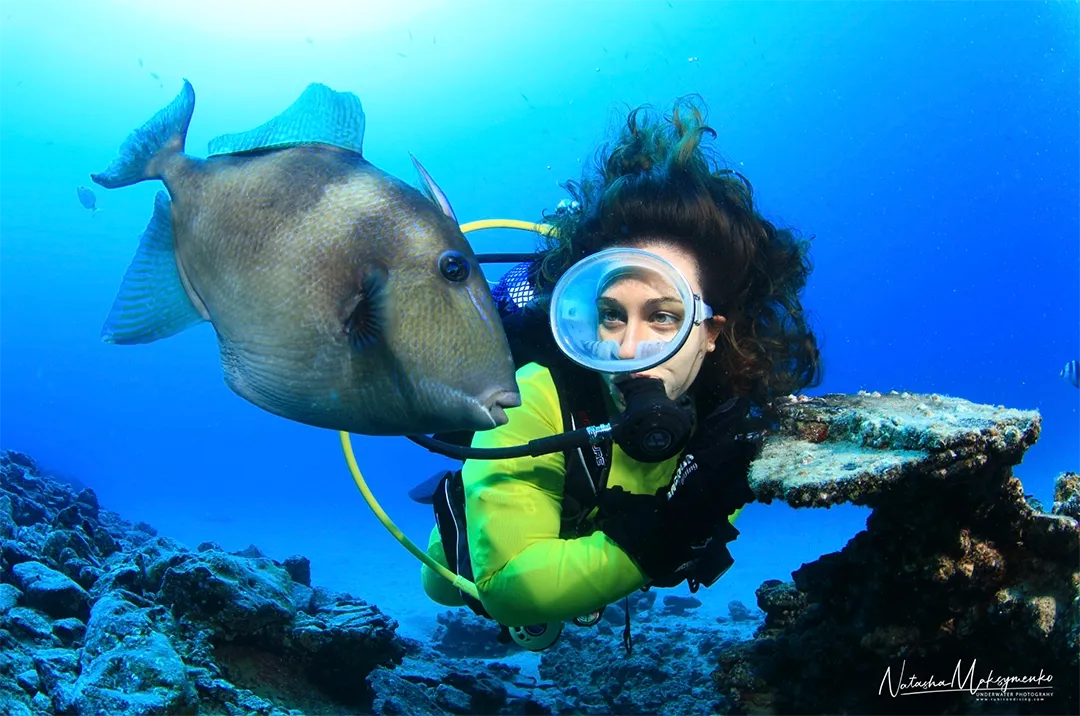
(542,229)
(346,442)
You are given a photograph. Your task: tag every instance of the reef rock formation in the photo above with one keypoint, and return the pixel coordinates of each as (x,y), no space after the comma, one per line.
(956,579)
(100,616)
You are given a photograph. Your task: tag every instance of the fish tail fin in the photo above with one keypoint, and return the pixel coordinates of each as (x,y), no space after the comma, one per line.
(142,152)
(152,302)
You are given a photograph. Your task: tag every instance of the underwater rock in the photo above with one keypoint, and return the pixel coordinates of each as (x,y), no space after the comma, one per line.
(471,686)
(677,605)
(167,629)
(50,592)
(339,646)
(667,671)
(954,566)
(857,448)
(1067,495)
(160,628)
(238,597)
(739,612)
(461,634)
(7,519)
(299,568)
(128,665)
(394,695)
(9,597)
(955,574)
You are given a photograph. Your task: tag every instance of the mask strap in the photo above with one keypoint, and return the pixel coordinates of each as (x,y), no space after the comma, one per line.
(702,311)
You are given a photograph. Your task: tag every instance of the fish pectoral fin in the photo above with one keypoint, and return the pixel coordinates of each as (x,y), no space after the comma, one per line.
(365,311)
(152,303)
(319,116)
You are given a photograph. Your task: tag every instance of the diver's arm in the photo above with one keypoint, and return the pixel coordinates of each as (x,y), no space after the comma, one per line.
(524,572)
(680,532)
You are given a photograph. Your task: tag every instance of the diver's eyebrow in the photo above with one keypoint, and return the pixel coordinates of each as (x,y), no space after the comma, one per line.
(651,303)
(662,299)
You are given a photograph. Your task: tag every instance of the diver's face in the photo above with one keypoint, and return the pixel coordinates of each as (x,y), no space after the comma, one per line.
(641,308)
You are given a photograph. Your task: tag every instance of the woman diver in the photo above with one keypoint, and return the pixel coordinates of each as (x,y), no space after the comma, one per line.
(663,257)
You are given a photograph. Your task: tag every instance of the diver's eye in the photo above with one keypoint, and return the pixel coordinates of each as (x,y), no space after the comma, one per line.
(454,266)
(668,320)
(610,318)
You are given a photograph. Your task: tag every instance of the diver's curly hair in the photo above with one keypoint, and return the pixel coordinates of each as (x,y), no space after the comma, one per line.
(658,180)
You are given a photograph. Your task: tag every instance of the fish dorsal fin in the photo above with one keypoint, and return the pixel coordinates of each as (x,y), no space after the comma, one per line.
(432,190)
(319,116)
(152,303)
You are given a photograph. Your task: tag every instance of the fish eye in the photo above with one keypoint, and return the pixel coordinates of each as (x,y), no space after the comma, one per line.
(454,266)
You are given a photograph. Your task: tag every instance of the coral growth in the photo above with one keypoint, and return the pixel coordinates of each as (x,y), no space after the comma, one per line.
(955,576)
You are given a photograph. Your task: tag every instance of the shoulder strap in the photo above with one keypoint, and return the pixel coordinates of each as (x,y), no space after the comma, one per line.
(582,402)
(449,505)
(726,442)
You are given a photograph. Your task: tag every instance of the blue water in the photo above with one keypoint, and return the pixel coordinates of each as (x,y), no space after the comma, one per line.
(931,149)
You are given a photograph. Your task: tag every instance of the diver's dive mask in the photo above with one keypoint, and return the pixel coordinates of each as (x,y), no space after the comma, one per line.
(619,312)
(623,311)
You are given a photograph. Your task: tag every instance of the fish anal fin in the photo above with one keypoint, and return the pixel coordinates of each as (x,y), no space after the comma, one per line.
(152,302)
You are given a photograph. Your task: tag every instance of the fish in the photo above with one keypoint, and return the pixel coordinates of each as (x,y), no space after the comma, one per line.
(1071,373)
(87,198)
(341,296)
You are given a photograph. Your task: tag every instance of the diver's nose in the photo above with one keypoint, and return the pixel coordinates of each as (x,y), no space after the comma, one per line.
(630,339)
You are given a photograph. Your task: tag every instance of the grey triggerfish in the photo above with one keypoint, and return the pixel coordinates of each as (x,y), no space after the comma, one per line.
(341,296)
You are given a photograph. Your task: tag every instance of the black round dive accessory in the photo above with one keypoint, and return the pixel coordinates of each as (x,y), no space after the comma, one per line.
(653,427)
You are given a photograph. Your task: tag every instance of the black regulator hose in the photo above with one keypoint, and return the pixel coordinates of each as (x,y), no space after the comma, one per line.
(541,446)
(653,429)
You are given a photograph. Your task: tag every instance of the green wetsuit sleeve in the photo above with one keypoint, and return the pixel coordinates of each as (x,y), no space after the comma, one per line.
(524,572)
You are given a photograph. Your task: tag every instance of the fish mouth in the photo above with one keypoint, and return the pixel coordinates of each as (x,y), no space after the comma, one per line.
(495,402)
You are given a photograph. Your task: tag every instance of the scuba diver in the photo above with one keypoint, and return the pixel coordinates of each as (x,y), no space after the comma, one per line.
(664,305)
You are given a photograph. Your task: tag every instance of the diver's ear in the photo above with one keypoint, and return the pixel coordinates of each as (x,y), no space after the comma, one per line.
(713,326)
(432,190)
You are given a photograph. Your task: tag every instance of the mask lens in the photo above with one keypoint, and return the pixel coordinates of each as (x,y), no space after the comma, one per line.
(621,311)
